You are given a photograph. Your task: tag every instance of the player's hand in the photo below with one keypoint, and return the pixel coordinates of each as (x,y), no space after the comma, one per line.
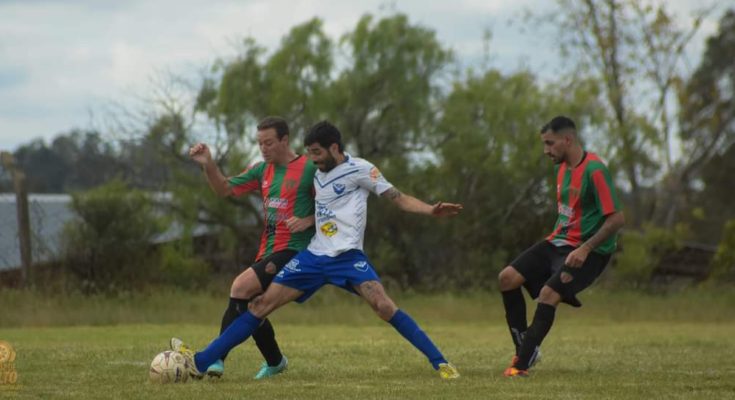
(296,224)
(576,258)
(200,153)
(441,209)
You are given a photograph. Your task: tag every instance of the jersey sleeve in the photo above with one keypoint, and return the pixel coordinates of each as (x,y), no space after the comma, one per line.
(605,195)
(371,179)
(247,181)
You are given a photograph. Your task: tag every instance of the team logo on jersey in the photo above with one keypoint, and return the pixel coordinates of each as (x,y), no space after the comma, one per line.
(566,211)
(277,202)
(375,174)
(291,183)
(323,212)
(329,229)
(265,183)
(339,188)
(361,266)
(573,191)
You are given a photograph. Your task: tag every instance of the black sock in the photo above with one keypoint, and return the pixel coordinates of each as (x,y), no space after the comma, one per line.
(265,339)
(542,321)
(515,315)
(234,309)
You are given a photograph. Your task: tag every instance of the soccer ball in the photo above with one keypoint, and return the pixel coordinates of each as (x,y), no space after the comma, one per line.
(168,367)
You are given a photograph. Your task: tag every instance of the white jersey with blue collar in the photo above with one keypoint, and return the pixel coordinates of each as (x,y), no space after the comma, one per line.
(341,205)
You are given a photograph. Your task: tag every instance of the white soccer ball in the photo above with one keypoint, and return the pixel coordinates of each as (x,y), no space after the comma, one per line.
(168,367)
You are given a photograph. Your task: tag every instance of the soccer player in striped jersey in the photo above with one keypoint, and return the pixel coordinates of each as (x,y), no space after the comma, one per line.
(334,256)
(285,182)
(576,252)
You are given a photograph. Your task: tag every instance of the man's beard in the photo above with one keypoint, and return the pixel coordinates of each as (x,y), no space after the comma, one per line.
(329,164)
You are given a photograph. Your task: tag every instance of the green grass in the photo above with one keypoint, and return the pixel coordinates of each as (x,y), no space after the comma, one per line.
(618,346)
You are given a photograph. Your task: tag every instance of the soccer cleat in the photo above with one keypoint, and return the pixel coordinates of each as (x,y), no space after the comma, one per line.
(512,372)
(178,345)
(535,358)
(448,371)
(266,371)
(216,370)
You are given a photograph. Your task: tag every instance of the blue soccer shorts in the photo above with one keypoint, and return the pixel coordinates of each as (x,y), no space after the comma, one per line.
(308,272)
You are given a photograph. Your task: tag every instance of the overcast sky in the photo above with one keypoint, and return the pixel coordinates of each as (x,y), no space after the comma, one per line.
(61,61)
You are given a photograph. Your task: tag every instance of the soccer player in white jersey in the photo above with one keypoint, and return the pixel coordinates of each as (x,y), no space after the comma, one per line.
(334,255)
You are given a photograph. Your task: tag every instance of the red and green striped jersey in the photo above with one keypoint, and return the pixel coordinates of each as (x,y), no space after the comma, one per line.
(287,190)
(585,195)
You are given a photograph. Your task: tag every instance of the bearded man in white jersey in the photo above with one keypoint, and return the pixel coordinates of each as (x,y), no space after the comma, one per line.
(334,255)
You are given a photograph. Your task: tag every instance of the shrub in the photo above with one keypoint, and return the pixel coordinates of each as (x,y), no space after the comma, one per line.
(642,251)
(178,266)
(723,265)
(108,246)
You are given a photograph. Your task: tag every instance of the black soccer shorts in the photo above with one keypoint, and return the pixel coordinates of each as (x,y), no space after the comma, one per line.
(543,264)
(279,259)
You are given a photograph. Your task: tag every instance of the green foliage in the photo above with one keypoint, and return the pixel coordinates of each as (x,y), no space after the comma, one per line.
(292,82)
(490,159)
(637,51)
(708,134)
(723,265)
(385,99)
(76,160)
(177,266)
(469,138)
(642,251)
(108,247)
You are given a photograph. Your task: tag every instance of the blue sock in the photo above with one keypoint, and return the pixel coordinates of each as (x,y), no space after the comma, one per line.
(408,328)
(239,330)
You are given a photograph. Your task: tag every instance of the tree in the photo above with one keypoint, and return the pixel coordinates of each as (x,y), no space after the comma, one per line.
(636,50)
(490,159)
(291,82)
(386,99)
(708,131)
(74,161)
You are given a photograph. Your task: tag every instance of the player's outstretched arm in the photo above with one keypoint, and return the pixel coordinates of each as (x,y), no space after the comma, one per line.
(411,204)
(201,155)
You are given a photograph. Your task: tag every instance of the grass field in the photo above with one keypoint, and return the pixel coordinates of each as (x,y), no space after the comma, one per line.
(618,346)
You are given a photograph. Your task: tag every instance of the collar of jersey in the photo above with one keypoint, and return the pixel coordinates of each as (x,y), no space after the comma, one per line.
(347,160)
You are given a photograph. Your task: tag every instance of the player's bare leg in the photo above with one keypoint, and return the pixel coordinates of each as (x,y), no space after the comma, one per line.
(374,294)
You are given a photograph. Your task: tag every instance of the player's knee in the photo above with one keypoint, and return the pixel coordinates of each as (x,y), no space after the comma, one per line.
(549,296)
(509,279)
(243,288)
(385,308)
(260,306)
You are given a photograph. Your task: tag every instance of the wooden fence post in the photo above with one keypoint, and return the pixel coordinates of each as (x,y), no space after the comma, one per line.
(22,211)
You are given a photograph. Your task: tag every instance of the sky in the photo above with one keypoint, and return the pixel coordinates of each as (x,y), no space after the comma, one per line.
(63,62)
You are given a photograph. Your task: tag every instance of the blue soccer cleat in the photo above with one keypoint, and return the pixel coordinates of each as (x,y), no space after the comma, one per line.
(266,371)
(216,370)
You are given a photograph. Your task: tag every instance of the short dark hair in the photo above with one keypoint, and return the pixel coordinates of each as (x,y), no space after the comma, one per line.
(277,123)
(561,123)
(544,128)
(324,133)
